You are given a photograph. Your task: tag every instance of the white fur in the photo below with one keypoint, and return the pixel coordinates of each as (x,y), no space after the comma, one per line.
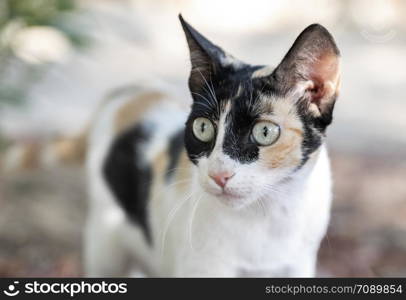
(274,231)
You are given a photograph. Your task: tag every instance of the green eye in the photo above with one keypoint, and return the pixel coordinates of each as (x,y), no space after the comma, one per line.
(265,133)
(203,129)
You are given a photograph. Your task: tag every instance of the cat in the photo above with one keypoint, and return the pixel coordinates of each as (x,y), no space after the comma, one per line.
(237,185)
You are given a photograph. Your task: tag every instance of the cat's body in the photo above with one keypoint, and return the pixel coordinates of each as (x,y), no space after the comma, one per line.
(238,201)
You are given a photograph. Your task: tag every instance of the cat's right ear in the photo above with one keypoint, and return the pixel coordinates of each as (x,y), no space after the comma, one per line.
(207,59)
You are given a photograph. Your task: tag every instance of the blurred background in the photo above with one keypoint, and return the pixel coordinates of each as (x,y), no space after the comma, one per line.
(58,58)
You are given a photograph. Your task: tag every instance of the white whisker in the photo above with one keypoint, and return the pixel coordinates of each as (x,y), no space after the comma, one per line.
(192,215)
(169,220)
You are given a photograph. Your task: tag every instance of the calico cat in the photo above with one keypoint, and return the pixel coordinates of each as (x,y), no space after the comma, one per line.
(242,188)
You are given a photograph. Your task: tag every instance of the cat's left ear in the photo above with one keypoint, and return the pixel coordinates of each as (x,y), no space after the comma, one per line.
(207,59)
(312,67)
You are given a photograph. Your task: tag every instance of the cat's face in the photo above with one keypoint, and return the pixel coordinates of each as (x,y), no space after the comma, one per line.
(251,127)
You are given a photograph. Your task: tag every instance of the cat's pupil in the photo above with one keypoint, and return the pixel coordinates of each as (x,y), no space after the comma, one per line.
(265,131)
(202,127)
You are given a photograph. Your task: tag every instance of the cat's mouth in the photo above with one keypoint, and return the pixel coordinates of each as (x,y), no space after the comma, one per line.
(226,194)
(231,195)
(228,197)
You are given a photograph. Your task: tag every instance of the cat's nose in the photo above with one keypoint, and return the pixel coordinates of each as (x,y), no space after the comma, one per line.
(221,178)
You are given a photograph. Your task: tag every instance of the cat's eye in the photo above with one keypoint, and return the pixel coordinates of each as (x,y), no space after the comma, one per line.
(203,129)
(265,133)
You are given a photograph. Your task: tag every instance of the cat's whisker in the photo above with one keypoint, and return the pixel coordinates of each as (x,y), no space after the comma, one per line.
(175,169)
(215,98)
(206,87)
(262,205)
(206,83)
(208,100)
(256,104)
(211,89)
(168,171)
(171,185)
(172,213)
(201,96)
(273,190)
(255,207)
(169,220)
(190,231)
(210,103)
(204,105)
(251,93)
(178,182)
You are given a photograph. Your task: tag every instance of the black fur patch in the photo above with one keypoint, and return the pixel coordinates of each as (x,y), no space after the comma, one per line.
(238,143)
(211,101)
(312,138)
(128,180)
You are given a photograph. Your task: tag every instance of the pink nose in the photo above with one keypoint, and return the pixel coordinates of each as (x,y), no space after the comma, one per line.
(221,178)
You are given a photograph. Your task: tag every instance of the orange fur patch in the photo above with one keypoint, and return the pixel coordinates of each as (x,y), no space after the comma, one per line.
(133,110)
(160,163)
(299,132)
(286,152)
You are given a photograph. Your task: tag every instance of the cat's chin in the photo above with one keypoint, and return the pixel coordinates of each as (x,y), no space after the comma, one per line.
(230,200)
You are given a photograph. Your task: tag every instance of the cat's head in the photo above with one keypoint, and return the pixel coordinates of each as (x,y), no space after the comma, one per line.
(253,127)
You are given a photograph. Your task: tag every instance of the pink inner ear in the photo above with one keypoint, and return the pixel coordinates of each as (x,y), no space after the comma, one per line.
(324,74)
(317,91)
